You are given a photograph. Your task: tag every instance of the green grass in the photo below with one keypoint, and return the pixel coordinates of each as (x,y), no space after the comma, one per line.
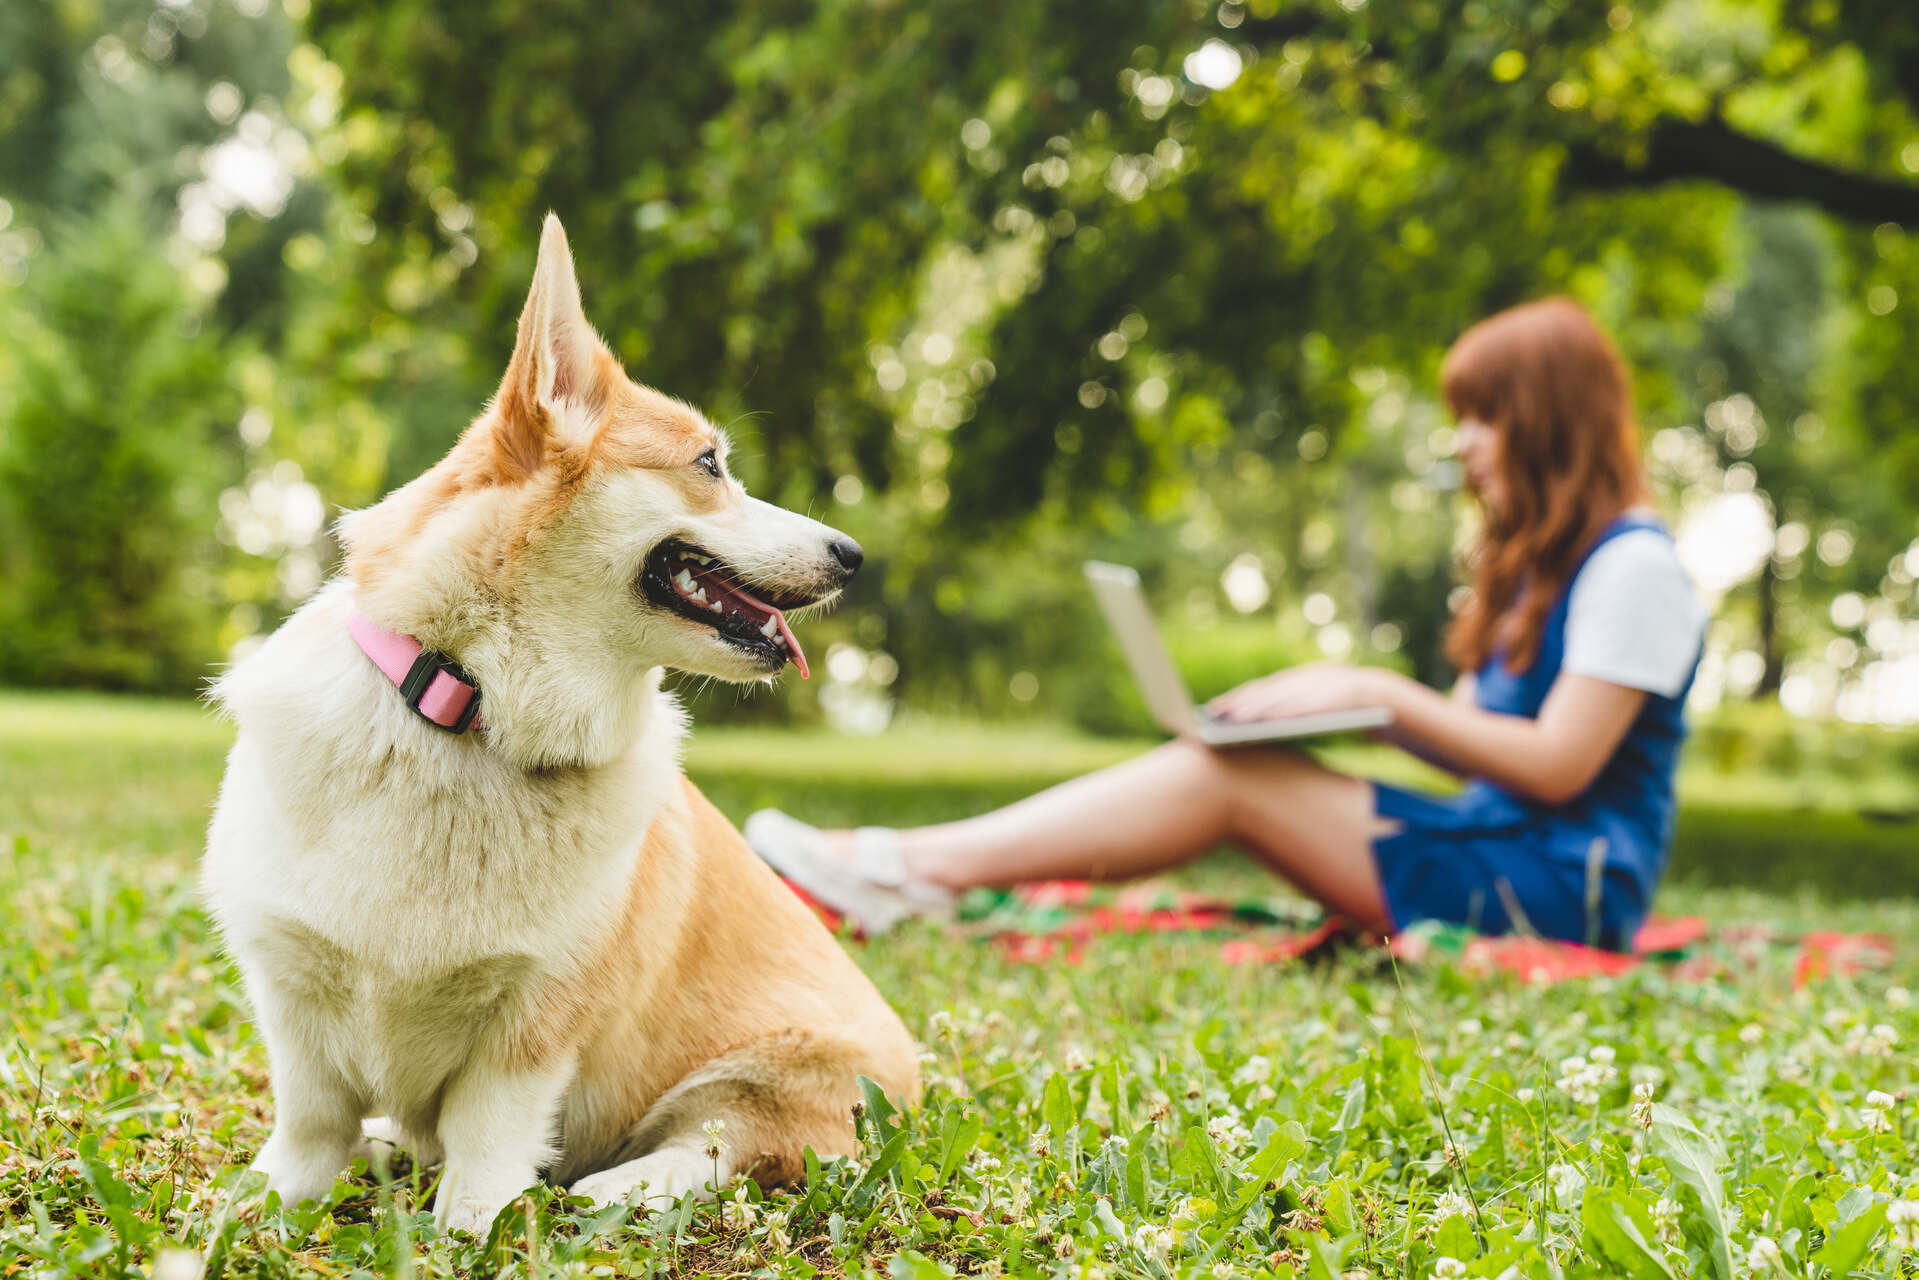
(1149,1112)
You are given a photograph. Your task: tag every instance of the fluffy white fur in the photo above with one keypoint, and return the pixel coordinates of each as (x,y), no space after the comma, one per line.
(396,896)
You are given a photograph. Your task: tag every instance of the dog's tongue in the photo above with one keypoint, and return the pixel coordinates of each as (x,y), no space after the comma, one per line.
(725,589)
(793,650)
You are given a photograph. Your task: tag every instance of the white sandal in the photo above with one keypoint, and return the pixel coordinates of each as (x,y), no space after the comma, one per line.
(875,892)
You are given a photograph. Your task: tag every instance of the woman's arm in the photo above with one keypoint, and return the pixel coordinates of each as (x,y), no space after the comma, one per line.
(1550,759)
(1464,693)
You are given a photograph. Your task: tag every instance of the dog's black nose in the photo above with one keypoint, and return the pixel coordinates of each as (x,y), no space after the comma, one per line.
(847,552)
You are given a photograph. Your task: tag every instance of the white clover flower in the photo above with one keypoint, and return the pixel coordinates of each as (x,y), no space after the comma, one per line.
(776,1234)
(1791,1068)
(1153,1241)
(1063,1247)
(1227,1133)
(942,1024)
(1452,1204)
(1665,1217)
(1763,1257)
(1524,1095)
(1584,1077)
(1448,1269)
(1469,1027)
(1076,1059)
(1874,1042)
(1642,1105)
(1752,1033)
(1038,1145)
(1115,1143)
(1646,1073)
(983,1163)
(1253,1071)
(1898,997)
(1903,1217)
(740,1213)
(1568,1184)
(715,1144)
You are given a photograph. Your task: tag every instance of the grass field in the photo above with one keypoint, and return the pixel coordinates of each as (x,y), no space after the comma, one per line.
(1149,1112)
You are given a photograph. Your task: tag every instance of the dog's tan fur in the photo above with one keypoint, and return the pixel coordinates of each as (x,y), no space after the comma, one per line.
(536,948)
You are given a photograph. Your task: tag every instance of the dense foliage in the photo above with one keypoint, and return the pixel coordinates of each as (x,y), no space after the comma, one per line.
(117,442)
(996,285)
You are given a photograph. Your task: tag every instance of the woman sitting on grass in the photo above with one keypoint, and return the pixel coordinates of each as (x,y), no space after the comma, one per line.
(1578,645)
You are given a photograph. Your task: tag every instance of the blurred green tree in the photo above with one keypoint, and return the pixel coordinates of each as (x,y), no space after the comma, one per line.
(1016,282)
(112,453)
(1024,279)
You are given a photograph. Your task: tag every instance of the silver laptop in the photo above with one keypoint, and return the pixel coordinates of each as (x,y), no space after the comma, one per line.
(1160,684)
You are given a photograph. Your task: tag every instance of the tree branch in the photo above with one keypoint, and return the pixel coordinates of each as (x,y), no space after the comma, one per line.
(1713,151)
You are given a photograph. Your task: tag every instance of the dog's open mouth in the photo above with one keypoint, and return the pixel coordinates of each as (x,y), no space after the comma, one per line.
(703,588)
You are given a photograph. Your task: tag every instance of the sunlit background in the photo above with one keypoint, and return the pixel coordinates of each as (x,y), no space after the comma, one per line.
(994,290)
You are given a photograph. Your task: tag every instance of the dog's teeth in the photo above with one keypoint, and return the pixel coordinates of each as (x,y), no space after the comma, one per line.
(714,605)
(699,593)
(770,629)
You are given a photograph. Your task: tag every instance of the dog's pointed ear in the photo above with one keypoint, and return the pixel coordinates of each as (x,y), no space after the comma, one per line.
(556,361)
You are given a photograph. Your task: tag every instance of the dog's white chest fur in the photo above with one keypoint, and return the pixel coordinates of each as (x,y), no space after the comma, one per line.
(394,888)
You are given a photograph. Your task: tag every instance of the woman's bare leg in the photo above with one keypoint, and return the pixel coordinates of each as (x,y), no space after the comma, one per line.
(1311,824)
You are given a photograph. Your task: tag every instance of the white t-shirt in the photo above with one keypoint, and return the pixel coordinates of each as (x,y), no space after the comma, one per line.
(1634,618)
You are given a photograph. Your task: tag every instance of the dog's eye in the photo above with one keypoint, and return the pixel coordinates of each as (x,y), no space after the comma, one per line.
(709,462)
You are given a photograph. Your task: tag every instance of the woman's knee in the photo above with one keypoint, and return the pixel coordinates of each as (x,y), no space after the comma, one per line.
(1273,787)
(1200,771)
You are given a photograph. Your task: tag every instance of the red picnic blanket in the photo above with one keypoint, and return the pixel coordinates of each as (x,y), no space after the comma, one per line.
(1057,920)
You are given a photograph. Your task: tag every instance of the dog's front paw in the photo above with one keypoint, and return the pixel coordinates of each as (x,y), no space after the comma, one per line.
(471,1196)
(299,1171)
(467,1213)
(661,1178)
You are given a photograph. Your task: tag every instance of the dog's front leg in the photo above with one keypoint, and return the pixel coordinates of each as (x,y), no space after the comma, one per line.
(497,1126)
(316,1122)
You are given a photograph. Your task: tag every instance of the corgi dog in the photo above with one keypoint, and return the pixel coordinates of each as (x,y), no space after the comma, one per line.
(479,911)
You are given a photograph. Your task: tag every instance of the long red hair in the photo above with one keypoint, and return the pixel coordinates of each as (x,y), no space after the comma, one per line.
(1551,383)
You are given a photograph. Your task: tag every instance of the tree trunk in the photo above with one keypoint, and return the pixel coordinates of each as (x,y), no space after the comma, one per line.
(1769,649)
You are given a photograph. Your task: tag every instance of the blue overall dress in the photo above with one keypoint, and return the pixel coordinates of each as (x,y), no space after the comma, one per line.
(1583,871)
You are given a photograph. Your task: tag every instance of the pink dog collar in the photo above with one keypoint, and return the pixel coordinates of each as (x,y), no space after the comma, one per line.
(433,684)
